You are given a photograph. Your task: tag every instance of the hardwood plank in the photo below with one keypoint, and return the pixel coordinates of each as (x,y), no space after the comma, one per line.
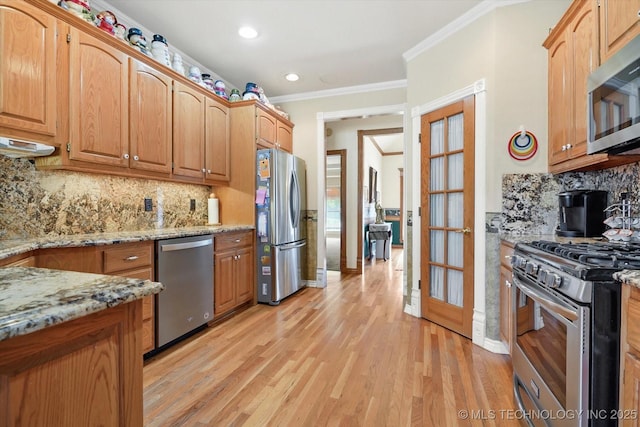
(344,355)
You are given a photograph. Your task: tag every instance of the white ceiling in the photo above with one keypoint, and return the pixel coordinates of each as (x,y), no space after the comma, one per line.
(332,44)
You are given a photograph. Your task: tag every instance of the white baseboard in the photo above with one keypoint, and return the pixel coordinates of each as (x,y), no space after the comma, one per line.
(495,346)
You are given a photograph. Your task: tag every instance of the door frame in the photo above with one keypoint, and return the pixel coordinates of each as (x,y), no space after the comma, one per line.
(322,118)
(478,88)
(343,205)
(361,177)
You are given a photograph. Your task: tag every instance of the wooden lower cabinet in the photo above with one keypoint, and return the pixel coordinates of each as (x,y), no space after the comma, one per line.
(125,259)
(234,281)
(506,319)
(630,357)
(92,362)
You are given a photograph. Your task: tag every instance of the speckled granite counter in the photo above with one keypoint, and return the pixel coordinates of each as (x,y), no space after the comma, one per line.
(15,247)
(35,298)
(628,277)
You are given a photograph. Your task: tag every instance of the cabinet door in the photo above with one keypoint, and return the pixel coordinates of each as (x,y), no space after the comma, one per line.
(584,59)
(244,275)
(285,137)
(631,388)
(223,285)
(559,101)
(27,68)
(99,104)
(266,126)
(217,141)
(188,132)
(150,119)
(618,25)
(506,328)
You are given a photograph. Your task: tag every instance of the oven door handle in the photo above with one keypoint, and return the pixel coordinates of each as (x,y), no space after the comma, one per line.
(544,301)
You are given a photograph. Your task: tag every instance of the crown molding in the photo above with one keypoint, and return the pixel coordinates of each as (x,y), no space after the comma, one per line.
(456,25)
(349,90)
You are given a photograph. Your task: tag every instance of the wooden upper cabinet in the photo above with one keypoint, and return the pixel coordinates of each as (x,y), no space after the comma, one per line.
(150,109)
(27,70)
(98,102)
(217,152)
(266,128)
(272,132)
(618,25)
(188,131)
(584,59)
(559,100)
(573,54)
(284,137)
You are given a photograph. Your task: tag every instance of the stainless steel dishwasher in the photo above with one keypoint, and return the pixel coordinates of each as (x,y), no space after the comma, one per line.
(185,267)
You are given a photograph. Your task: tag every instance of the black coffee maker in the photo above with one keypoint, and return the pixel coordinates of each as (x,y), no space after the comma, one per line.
(581,213)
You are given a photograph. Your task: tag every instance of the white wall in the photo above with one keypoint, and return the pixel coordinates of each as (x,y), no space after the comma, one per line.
(503,47)
(389,178)
(304,115)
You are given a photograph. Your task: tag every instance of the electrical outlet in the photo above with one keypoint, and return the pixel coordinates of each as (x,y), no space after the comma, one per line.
(148,205)
(192,205)
(264,289)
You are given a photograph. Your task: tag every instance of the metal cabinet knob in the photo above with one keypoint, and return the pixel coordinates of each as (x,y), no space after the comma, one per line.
(208,170)
(204,170)
(125,155)
(564,148)
(136,158)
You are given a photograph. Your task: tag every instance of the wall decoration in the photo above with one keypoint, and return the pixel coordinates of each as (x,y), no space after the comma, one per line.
(373,185)
(522,145)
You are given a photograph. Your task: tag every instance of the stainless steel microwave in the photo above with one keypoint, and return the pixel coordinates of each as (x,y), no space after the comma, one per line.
(613,102)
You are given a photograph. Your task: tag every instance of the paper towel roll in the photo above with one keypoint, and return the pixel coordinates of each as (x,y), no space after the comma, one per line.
(213,211)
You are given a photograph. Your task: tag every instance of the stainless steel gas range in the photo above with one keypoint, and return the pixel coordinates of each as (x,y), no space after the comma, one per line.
(566,343)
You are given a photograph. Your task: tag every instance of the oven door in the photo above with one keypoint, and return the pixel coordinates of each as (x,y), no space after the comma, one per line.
(550,355)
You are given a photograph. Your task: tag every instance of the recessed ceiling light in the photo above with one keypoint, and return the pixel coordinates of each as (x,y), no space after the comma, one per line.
(248,32)
(292,77)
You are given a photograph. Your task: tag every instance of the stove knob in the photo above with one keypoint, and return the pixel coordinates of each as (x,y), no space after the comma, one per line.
(531,268)
(542,275)
(553,280)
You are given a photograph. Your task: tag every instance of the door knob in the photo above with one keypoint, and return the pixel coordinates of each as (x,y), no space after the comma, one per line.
(466,230)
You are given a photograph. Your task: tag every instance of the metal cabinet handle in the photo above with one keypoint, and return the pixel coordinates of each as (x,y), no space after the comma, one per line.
(507,256)
(237,240)
(132,258)
(507,283)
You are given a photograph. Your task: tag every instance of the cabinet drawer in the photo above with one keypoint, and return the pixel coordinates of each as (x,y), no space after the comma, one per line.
(633,323)
(127,256)
(226,241)
(506,252)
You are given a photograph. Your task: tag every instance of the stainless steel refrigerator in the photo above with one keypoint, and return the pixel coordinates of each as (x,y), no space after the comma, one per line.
(281,237)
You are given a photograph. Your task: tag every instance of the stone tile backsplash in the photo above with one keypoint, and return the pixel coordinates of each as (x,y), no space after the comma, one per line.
(530,201)
(37,203)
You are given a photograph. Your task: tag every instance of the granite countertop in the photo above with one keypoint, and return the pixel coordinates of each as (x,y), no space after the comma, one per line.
(15,247)
(628,277)
(36,298)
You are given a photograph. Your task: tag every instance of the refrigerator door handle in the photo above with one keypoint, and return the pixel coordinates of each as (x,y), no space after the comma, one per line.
(294,200)
(293,245)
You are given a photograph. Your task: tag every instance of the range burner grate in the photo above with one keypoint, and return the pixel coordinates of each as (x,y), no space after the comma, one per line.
(604,255)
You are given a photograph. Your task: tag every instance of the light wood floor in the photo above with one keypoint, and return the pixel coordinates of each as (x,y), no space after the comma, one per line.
(346,355)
